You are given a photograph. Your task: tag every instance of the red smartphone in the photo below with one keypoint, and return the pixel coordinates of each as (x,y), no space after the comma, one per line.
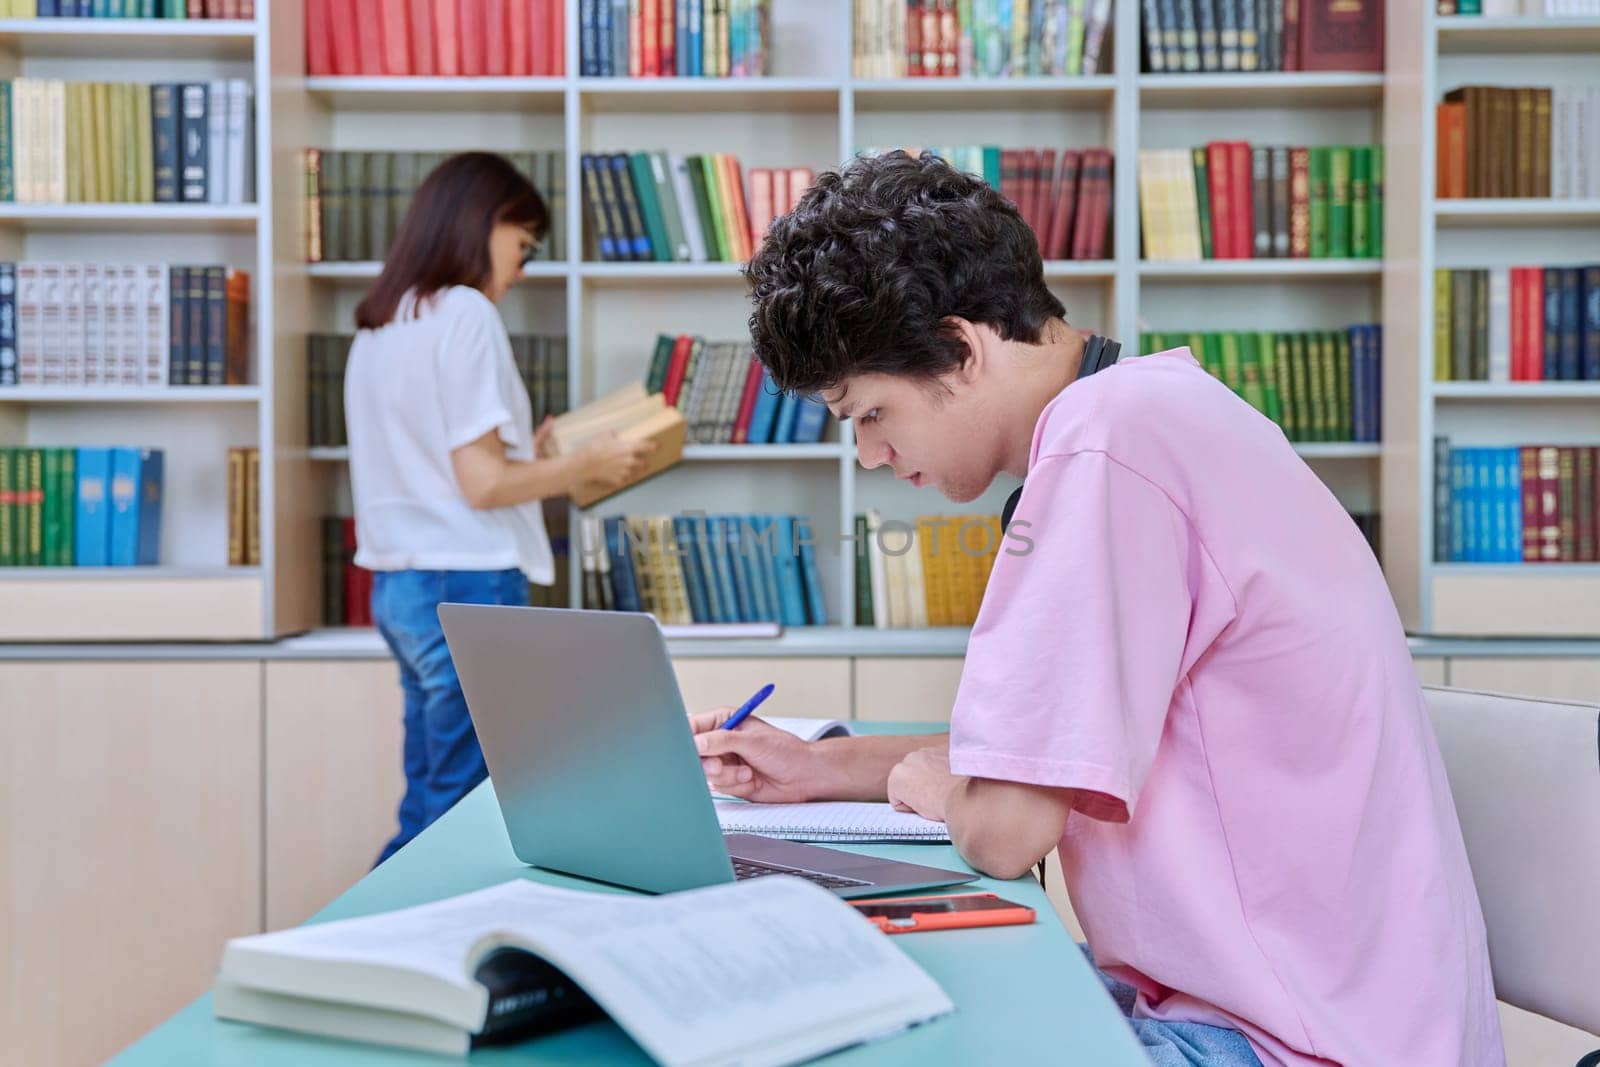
(904,915)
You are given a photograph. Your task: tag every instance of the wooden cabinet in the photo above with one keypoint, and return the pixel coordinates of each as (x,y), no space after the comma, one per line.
(334,730)
(908,689)
(819,687)
(130,838)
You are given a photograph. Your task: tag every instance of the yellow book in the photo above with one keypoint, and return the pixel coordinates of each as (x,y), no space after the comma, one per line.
(1441,326)
(102,143)
(1153,248)
(644,574)
(75,170)
(145,157)
(674,591)
(916,593)
(57,153)
(129,113)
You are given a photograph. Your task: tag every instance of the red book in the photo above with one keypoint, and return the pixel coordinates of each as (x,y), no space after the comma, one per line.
(473,61)
(800,179)
(1011,177)
(396,39)
(446,38)
(1291,34)
(913,38)
(1066,195)
(747,402)
(496,32)
(1533,324)
(1299,202)
(781,203)
(341,27)
(319,38)
(1341,35)
(1450,168)
(196,9)
(949,39)
(1221,196)
(1105,168)
(1239,187)
(741,213)
(519,30)
(1028,189)
(932,58)
(1518,327)
(1549,504)
(557,41)
(422,38)
(1045,202)
(369,34)
(676,367)
(761,200)
(650,22)
(635,39)
(669,39)
(1083,237)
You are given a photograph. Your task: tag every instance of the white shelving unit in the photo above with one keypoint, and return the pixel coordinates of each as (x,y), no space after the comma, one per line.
(1439,54)
(192,593)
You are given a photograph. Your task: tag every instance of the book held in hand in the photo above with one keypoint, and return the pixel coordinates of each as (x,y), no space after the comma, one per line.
(798,974)
(630,413)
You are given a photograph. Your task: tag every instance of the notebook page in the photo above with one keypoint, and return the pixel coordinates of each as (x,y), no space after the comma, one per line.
(809,729)
(828,821)
(766,972)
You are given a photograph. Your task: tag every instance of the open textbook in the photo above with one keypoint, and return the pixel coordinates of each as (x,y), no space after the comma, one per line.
(796,973)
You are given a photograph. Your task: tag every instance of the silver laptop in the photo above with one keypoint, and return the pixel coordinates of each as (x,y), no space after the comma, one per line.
(594,765)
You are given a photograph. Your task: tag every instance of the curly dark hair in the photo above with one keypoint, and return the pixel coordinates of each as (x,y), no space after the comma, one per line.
(860,276)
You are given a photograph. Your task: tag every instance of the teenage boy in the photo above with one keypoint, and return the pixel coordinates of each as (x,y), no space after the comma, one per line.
(1188,676)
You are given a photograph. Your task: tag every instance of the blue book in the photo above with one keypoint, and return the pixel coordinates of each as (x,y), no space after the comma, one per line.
(8,304)
(767,557)
(48,10)
(602,39)
(791,595)
(732,540)
(1591,323)
(1358,383)
(788,412)
(615,58)
(1552,324)
(700,538)
(152,487)
(587,37)
(693,576)
(816,608)
(1571,327)
(765,414)
(754,550)
(123,540)
(638,243)
(810,421)
(591,180)
(1375,382)
(624,586)
(696,37)
(1511,503)
(92,533)
(1501,537)
(717,529)
(680,15)
(1483,460)
(1458,505)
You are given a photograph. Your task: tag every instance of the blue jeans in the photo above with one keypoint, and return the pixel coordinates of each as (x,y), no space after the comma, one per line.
(442,759)
(1180,1044)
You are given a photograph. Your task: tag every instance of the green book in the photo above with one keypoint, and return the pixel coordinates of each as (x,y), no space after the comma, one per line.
(144,145)
(50,507)
(332,195)
(991,165)
(1361,202)
(354,239)
(1202,199)
(1318,202)
(77,97)
(128,112)
(404,177)
(1339,203)
(715,208)
(1341,360)
(8,490)
(1267,350)
(100,141)
(558,206)
(33,514)
(1282,360)
(702,207)
(1232,371)
(1469,7)
(1375,204)
(660,361)
(375,196)
(8,173)
(671,210)
(175,9)
(1328,372)
(1250,372)
(862,544)
(1300,387)
(650,206)
(1210,355)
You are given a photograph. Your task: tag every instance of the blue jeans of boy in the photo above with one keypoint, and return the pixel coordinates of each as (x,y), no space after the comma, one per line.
(441,757)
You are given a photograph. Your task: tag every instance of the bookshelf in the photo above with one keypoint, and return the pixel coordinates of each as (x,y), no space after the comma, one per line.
(192,593)
(1426,233)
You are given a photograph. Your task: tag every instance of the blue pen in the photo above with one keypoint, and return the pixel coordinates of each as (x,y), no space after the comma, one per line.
(748,706)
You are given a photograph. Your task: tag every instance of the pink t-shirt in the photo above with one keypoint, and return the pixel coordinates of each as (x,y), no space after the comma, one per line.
(1201,643)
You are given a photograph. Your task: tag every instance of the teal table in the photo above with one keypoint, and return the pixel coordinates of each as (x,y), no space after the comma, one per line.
(1023,994)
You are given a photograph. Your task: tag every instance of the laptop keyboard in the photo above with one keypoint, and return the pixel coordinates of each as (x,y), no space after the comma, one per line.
(743,869)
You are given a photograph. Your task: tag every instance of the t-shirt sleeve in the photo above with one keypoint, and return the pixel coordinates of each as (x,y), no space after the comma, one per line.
(472,353)
(1076,653)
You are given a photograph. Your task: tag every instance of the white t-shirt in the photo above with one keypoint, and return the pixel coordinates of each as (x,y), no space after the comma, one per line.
(416,390)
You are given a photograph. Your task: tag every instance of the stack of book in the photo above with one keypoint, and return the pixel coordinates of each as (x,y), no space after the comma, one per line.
(1527,504)
(697,568)
(1232,200)
(1517,324)
(929,572)
(496,38)
(244,507)
(1322,385)
(978,38)
(357,199)
(83,507)
(665,207)
(541,361)
(1185,36)
(128,9)
(122,142)
(1508,8)
(1537,141)
(150,324)
(726,395)
(1067,205)
(675,38)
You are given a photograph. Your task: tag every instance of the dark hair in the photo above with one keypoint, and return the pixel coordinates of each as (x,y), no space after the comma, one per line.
(861,275)
(443,240)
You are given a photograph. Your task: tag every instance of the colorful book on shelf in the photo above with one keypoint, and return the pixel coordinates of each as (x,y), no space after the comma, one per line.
(1518,142)
(1232,200)
(405,38)
(930,571)
(1323,385)
(1516,504)
(686,38)
(725,395)
(1208,36)
(244,507)
(943,39)
(1517,324)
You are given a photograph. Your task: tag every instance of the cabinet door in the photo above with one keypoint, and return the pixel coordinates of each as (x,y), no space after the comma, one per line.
(819,688)
(910,689)
(130,834)
(334,778)
(1548,678)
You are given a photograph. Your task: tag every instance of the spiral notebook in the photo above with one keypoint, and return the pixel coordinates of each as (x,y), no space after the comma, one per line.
(842,822)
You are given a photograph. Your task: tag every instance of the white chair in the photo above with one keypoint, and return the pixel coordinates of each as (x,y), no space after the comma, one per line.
(1526,779)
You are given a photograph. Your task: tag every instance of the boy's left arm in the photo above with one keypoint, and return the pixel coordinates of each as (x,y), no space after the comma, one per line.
(1001,828)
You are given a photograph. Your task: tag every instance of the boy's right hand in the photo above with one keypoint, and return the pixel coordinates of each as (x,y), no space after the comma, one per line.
(753,761)
(612,460)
